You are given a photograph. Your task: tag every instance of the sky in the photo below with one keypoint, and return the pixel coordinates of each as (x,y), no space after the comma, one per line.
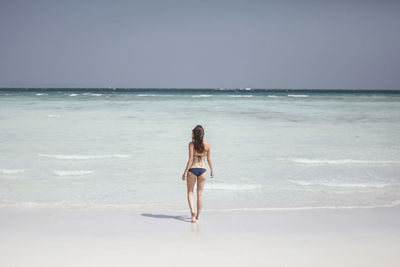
(200,44)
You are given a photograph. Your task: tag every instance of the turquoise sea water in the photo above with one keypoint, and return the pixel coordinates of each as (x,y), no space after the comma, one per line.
(128,149)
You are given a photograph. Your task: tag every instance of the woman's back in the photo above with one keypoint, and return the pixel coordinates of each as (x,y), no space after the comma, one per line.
(196,171)
(199,158)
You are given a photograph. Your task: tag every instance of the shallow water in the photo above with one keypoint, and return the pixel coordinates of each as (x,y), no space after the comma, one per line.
(88,149)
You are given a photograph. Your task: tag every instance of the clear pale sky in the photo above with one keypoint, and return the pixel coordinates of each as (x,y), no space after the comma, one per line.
(200,44)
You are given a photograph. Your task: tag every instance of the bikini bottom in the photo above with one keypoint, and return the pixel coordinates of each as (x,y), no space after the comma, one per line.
(197,171)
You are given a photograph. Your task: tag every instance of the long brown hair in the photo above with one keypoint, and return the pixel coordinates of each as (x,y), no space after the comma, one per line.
(197,138)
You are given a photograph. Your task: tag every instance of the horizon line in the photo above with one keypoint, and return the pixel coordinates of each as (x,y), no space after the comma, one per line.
(195,88)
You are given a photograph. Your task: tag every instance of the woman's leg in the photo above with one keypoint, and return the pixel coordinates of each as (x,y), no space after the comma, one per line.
(201,180)
(191,180)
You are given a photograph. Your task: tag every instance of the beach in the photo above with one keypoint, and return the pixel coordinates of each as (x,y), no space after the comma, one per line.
(302,178)
(335,237)
(294,106)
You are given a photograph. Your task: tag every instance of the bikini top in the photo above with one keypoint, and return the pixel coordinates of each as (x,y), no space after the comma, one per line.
(200,156)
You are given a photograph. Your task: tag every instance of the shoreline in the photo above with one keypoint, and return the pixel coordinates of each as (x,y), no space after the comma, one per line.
(161,207)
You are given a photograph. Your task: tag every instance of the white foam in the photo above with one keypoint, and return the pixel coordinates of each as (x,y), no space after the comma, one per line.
(72,173)
(40,94)
(341,161)
(297,95)
(90,205)
(201,95)
(11,171)
(68,205)
(387,205)
(338,184)
(240,95)
(96,94)
(272,96)
(73,94)
(158,95)
(235,187)
(61,156)
(53,115)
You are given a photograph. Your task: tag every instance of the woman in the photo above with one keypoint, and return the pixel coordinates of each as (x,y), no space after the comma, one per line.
(196,168)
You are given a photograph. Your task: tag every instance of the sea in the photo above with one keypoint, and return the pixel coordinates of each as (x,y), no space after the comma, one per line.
(127,148)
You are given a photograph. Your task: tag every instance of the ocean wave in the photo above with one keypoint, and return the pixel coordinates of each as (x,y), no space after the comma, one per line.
(236,187)
(338,184)
(201,95)
(297,95)
(96,94)
(240,95)
(72,173)
(11,171)
(73,94)
(341,161)
(40,94)
(61,156)
(158,95)
(272,96)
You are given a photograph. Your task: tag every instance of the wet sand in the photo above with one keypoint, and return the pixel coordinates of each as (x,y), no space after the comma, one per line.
(334,237)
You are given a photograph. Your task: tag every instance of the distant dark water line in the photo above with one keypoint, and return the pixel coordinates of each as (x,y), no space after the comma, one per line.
(203,90)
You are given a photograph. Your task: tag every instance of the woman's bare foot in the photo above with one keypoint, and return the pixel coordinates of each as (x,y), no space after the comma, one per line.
(198,217)
(193,217)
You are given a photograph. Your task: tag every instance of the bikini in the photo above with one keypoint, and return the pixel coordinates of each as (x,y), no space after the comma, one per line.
(198,171)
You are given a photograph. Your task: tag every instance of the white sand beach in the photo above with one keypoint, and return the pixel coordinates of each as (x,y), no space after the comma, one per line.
(329,237)
(299,108)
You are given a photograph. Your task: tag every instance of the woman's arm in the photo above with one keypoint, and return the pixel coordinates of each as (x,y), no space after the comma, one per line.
(210,161)
(189,163)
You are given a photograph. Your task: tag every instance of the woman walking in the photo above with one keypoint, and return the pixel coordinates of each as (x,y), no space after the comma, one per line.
(196,169)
